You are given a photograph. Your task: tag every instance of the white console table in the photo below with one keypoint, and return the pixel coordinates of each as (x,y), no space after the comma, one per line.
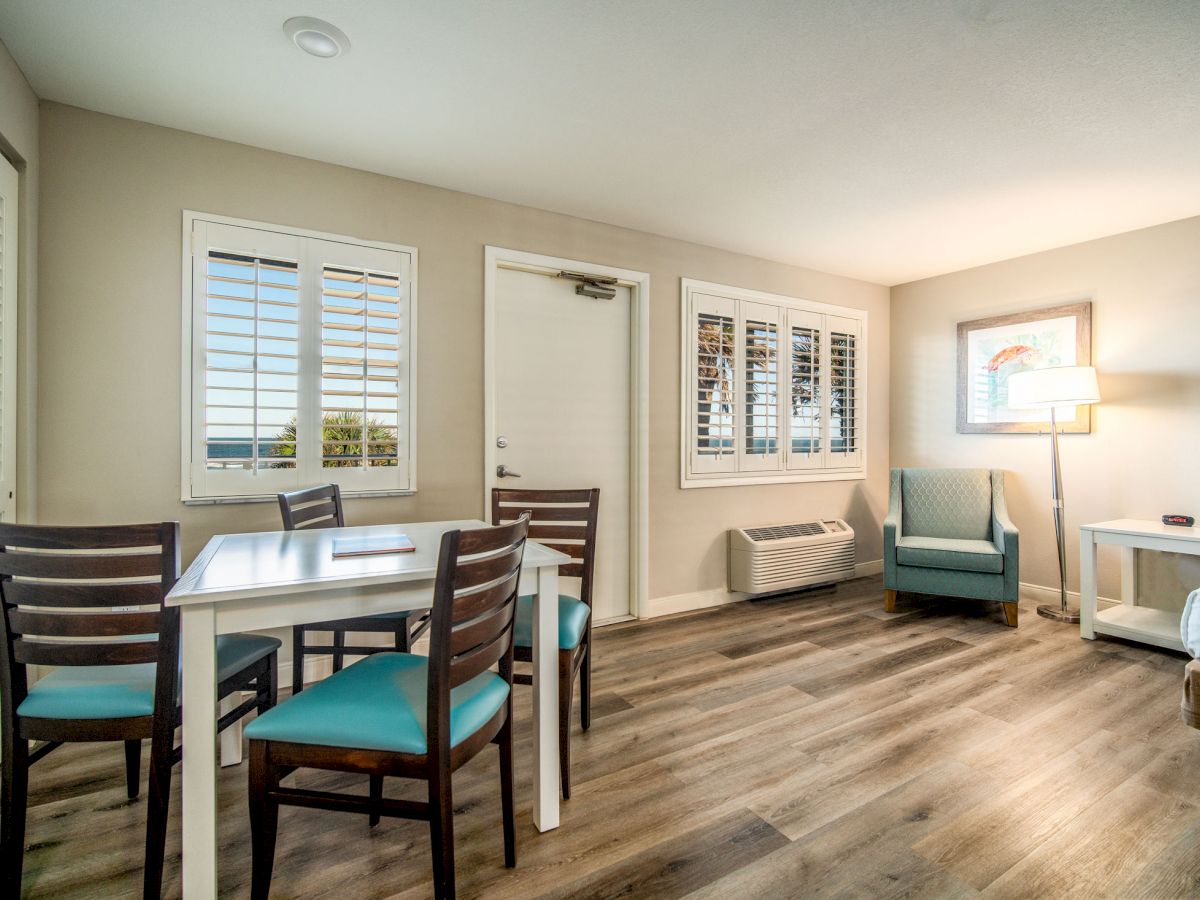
(1126,619)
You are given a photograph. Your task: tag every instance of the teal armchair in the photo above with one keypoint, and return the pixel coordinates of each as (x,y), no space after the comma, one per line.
(947,532)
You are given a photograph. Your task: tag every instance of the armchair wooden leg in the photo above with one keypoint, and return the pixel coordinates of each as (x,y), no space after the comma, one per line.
(1010,614)
(889,600)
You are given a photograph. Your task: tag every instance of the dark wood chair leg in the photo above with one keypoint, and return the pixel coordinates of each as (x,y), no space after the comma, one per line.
(133,767)
(376,798)
(339,641)
(1010,614)
(585,687)
(404,638)
(264,819)
(566,684)
(161,762)
(441,831)
(268,691)
(15,795)
(504,739)
(297,659)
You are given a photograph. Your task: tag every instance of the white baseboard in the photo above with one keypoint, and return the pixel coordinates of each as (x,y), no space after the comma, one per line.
(677,603)
(1040,593)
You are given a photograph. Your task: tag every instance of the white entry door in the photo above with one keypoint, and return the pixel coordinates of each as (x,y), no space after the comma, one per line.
(8,341)
(562,408)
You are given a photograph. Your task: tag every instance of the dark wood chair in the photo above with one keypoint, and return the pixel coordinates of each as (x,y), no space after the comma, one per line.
(564,521)
(321,507)
(366,718)
(116,649)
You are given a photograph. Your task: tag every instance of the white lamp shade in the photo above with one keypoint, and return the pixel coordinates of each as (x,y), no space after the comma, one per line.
(1055,386)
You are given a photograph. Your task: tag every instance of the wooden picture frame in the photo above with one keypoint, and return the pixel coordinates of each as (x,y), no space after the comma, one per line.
(992,349)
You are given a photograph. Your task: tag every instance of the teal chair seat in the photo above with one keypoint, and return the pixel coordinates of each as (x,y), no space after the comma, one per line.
(959,554)
(379,703)
(572,620)
(120,692)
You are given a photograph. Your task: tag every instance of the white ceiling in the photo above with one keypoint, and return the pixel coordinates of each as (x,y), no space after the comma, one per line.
(884,140)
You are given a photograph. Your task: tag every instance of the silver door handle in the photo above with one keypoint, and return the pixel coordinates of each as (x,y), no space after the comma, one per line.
(503,471)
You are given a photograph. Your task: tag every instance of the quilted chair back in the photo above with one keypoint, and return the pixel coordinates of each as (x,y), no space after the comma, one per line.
(947,503)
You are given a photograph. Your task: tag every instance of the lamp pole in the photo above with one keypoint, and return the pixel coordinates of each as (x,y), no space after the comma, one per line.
(1061,613)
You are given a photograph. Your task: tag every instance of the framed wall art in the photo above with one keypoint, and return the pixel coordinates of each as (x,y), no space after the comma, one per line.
(991,350)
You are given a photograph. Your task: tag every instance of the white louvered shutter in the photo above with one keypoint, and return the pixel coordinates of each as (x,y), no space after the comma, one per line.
(761,447)
(844,419)
(805,390)
(246,351)
(712,401)
(8,342)
(365,367)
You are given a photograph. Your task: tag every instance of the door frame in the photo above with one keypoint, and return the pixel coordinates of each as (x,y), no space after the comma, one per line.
(496,258)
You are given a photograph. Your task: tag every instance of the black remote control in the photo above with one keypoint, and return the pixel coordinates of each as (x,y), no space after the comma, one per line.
(1185,521)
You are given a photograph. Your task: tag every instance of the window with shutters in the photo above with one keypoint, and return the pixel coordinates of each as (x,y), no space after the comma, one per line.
(299,361)
(773,388)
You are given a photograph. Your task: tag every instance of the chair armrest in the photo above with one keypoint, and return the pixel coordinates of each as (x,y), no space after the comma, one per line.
(1005,537)
(891,529)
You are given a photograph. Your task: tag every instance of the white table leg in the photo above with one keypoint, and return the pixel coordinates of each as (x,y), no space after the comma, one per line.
(199,811)
(1087,584)
(545,700)
(1129,575)
(231,737)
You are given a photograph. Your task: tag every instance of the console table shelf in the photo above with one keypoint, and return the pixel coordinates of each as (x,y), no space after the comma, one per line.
(1126,619)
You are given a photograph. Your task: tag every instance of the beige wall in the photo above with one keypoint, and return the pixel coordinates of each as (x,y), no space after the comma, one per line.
(19,141)
(1140,459)
(113,191)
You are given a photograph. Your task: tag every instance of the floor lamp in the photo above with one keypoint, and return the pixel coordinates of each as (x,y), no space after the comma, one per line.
(1052,388)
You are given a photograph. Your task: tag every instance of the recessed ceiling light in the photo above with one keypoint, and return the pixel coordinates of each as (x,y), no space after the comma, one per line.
(316,37)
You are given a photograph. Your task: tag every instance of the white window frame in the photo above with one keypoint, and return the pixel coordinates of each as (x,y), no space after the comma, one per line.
(193,460)
(784,467)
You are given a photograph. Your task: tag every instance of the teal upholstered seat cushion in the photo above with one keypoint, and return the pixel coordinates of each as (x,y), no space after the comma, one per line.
(572,620)
(949,553)
(379,703)
(121,692)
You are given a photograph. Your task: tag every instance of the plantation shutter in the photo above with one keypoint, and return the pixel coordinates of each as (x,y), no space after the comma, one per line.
(8,344)
(246,347)
(843,443)
(364,367)
(762,426)
(301,364)
(805,390)
(712,402)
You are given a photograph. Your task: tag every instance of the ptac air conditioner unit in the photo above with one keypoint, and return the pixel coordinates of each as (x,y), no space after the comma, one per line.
(781,557)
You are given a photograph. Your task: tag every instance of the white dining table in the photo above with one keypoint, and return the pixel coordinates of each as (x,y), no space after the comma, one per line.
(249,582)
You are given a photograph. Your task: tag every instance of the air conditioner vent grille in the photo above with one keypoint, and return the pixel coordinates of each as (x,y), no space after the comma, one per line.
(777,532)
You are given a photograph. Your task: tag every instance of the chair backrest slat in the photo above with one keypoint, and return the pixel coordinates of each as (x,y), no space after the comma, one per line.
(478,659)
(79,594)
(475,573)
(474,610)
(45,564)
(81,653)
(59,624)
(551,510)
(476,603)
(314,507)
(70,594)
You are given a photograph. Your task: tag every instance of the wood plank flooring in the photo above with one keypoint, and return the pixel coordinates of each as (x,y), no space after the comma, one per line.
(811,746)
